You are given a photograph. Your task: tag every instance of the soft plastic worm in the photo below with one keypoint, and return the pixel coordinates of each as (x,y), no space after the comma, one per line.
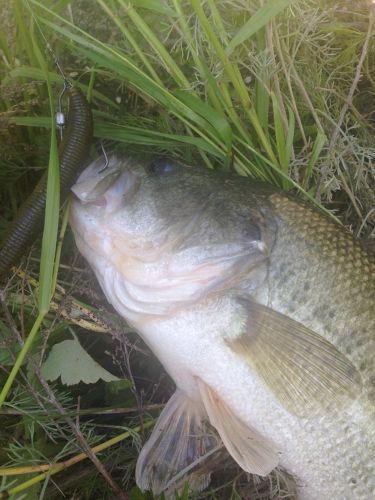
(73,153)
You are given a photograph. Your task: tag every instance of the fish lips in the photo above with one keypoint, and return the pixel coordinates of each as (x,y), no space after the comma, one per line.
(106,187)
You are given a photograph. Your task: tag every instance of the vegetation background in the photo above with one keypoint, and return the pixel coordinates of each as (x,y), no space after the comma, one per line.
(280,90)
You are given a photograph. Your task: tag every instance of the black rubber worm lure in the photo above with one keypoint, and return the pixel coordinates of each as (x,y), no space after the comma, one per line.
(73,153)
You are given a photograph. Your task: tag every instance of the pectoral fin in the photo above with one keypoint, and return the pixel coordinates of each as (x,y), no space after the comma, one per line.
(179,443)
(252,451)
(305,372)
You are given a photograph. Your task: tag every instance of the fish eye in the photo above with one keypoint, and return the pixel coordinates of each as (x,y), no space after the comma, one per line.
(161,166)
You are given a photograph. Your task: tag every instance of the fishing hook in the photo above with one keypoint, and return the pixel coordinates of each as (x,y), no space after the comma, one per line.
(105,158)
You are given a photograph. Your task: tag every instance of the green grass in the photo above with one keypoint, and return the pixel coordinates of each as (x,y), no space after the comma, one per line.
(255,87)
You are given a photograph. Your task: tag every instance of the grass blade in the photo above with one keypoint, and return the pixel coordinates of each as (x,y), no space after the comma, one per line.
(216,121)
(154,42)
(39,74)
(263,16)
(51,219)
(319,144)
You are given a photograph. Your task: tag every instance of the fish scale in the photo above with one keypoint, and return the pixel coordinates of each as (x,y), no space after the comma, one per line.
(331,252)
(345,284)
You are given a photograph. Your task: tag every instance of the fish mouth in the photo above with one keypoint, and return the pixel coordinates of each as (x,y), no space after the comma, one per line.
(105,186)
(96,179)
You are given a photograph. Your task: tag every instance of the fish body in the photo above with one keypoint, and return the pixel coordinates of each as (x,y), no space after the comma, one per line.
(259,307)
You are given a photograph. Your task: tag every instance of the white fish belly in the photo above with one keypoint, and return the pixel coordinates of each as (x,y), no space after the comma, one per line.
(331,456)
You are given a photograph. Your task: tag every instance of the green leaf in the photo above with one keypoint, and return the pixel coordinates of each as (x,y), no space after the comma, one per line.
(136,135)
(31,121)
(156,6)
(319,144)
(116,387)
(290,135)
(128,134)
(216,121)
(51,216)
(279,134)
(257,21)
(38,74)
(73,364)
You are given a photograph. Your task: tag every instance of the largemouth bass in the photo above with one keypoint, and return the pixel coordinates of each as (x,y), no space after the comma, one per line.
(260,308)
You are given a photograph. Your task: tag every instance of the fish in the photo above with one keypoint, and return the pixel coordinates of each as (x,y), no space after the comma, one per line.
(260,308)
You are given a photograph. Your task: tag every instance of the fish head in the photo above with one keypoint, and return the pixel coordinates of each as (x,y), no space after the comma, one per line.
(171,233)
